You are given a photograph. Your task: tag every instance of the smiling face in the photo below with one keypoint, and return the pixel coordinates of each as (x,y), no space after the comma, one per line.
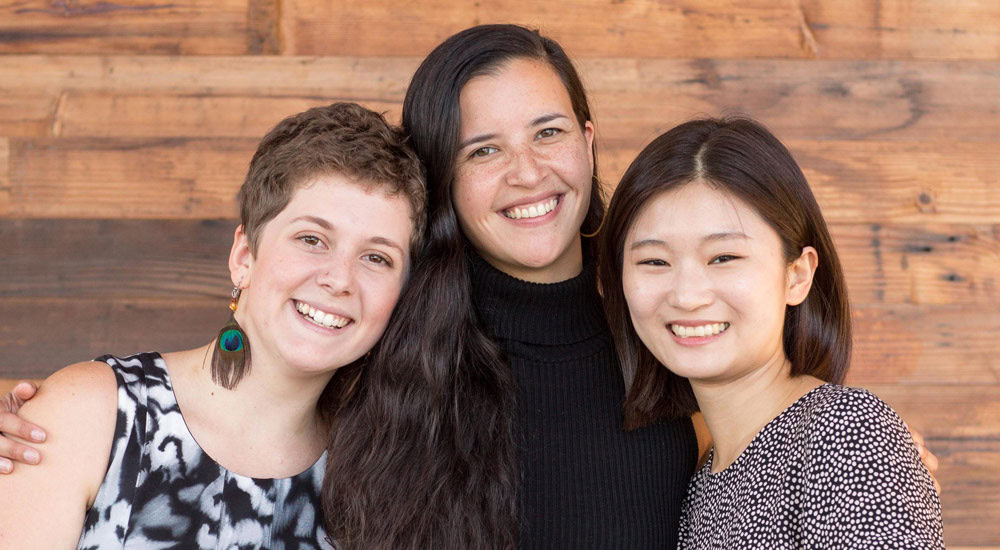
(707,284)
(523,172)
(327,273)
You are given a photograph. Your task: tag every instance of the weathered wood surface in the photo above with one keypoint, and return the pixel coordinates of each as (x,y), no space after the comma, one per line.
(174,177)
(128,26)
(858,29)
(40,335)
(633,99)
(126,129)
(914,265)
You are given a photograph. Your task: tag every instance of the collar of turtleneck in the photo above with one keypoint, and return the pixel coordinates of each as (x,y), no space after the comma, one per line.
(536,313)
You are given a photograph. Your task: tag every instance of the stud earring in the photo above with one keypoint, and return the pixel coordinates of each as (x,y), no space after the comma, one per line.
(231,353)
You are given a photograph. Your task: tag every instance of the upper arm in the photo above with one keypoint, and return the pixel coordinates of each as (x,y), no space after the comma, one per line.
(44,506)
(865,486)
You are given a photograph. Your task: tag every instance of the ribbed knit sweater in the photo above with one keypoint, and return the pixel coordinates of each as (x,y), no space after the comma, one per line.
(587,483)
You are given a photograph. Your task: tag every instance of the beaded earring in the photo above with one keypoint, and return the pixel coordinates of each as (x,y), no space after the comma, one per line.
(231,353)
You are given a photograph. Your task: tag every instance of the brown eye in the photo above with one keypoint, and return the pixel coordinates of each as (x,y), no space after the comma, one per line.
(311,240)
(548,132)
(484,151)
(378,259)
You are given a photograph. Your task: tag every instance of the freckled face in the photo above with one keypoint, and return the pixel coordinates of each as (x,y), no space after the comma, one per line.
(327,274)
(523,172)
(706,284)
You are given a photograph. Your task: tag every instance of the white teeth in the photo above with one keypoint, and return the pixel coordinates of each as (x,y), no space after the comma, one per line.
(701,331)
(532,211)
(328,320)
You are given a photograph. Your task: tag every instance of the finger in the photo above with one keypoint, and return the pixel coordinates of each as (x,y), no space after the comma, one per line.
(930,460)
(6,466)
(937,486)
(13,424)
(18,452)
(24,390)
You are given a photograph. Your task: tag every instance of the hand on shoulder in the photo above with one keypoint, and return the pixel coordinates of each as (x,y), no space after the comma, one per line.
(78,407)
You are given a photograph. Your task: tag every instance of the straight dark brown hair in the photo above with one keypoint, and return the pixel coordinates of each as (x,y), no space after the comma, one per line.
(740,157)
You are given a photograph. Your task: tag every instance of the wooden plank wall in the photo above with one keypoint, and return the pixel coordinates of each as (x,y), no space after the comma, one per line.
(125,130)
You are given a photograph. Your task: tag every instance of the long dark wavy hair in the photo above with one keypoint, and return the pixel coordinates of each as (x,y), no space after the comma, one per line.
(740,157)
(423,452)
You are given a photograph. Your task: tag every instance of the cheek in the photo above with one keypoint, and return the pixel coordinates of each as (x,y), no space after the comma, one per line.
(640,295)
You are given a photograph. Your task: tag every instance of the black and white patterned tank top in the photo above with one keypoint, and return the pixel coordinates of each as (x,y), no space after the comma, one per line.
(163,491)
(837,469)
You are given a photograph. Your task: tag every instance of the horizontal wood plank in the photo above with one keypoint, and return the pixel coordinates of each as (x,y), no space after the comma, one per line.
(893,345)
(39,336)
(970,490)
(170,177)
(942,412)
(884,265)
(127,26)
(135,178)
(858,29)
(633,99)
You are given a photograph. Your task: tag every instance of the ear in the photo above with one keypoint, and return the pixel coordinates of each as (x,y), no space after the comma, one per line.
(800,276)
(240,259)
(588,134)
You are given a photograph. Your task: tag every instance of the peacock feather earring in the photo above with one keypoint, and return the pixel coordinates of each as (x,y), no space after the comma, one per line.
(231,353)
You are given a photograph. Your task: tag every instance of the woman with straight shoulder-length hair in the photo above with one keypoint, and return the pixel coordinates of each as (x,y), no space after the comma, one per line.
(725,295)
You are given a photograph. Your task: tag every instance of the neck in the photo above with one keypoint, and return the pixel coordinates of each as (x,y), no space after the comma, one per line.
(271,403)
(736,410)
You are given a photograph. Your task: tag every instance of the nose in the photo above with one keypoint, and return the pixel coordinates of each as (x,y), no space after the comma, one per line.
(691,289)
(337,276)
(524,168)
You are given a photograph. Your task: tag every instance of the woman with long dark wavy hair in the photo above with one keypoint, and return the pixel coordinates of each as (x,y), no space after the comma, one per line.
(495,405)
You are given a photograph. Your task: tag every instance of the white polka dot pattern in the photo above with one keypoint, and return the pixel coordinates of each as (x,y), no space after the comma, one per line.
(837,469)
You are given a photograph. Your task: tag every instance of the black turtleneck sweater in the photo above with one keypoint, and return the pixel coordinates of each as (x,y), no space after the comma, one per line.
(587,483)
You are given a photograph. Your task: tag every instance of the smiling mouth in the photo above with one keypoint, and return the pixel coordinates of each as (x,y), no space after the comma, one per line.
(536,210)
(700,331)
(322,318)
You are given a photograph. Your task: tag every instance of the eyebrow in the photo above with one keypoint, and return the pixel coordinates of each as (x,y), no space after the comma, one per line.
(726,235)
(316,220)
(486,137)
(329,227)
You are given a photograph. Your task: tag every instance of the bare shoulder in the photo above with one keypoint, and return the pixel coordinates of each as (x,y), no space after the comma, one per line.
(77,406)
(88,386)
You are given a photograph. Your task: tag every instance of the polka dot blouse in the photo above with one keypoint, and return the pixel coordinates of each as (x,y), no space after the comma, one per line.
(836,469)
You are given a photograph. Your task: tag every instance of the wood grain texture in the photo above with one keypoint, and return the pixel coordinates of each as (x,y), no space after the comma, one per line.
(125,26)
(968,504)
(911,265)
(633,99)
(39,336)
(138,177)
(130,178)
(858,29)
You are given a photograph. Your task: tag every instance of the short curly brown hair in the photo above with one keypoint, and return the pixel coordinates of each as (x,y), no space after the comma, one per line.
(342,138)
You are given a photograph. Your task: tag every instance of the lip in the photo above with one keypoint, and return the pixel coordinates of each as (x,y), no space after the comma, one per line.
(537,220)
(327,330)
(694,341)
(532,200)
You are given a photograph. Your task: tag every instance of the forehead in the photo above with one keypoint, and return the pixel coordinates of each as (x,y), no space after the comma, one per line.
(353,204)
(694,210)
(518,89)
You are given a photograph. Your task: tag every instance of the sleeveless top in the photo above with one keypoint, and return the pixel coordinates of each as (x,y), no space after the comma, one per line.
(586,482)
(162,490)
(836,469)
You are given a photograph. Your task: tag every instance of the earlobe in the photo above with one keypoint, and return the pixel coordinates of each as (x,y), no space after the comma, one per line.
(240,259)
(800,276)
